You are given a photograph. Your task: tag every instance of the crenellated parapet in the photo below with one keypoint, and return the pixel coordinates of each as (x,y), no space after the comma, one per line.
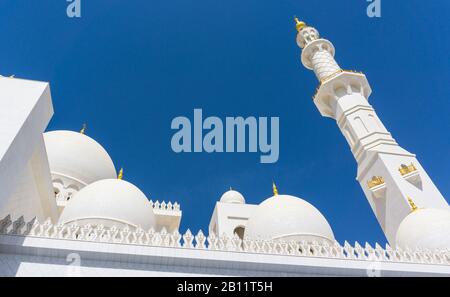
(169,206)
(167,215)
(198,241)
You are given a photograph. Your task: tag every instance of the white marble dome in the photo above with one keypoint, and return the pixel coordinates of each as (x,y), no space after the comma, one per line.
(77,157)
(232,196)
(425,229)
(285,217)
(109,202)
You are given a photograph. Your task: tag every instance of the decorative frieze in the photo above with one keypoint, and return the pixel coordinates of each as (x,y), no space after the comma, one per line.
(375,181)
(406,169)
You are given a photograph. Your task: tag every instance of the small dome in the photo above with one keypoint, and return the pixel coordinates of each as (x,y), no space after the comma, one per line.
(285,217)
(232,196)
(109,202)
(76,156)
(425,229)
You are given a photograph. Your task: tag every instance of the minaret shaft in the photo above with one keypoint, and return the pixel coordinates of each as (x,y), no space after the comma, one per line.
(324,64)
(387,173)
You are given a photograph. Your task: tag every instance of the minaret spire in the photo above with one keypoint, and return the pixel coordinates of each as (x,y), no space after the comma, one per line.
(317,53)
(385,179)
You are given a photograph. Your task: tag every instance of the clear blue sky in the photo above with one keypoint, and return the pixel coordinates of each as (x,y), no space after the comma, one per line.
(127,68)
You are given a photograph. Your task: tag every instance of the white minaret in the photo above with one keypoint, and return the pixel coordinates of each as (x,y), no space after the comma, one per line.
(391,177)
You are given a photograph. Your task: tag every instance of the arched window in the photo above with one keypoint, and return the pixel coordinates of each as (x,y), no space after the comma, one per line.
(239,230)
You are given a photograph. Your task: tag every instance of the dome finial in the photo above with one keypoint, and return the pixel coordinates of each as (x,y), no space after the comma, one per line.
(299,25)
(412,204)
(83,129)
(274,188)
(120,175)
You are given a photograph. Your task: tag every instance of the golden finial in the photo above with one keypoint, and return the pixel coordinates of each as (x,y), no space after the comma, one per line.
(83,129)
(274,188)
(412,204)
(120,175)
(299,25)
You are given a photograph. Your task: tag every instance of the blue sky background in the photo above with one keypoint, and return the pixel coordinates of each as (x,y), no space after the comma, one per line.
(127,68)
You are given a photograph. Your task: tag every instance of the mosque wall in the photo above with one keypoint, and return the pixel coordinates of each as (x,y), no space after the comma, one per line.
(25,110)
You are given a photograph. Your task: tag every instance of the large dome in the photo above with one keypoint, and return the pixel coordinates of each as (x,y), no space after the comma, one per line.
(425,229)
(76,156)
(109,202)
(232,196)
(285,217)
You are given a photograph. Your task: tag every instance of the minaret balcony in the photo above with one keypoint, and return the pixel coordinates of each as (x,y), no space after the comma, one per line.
(330,90)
